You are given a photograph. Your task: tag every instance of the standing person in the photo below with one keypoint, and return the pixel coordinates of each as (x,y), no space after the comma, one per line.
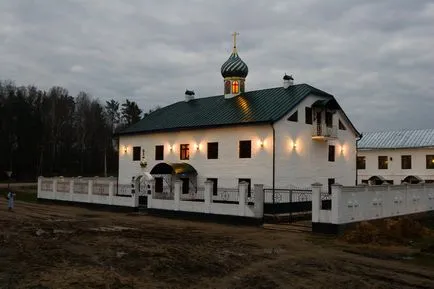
(11,197)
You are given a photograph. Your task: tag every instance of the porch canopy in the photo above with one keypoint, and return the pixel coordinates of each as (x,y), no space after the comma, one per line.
(326,103)
(173,168)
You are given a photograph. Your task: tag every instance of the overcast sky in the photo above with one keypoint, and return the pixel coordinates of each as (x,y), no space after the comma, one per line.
(376,57)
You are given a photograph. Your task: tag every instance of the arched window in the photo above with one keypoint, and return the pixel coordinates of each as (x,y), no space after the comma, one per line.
(235,87)
(242,86)
(227,87)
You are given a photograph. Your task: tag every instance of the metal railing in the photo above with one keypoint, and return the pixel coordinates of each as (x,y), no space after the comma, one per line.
(322,130)
(226,195)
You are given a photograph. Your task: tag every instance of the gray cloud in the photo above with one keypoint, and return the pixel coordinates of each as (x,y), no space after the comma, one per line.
(374,56)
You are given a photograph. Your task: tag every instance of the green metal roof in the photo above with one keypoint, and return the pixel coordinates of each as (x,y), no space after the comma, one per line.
(259,106)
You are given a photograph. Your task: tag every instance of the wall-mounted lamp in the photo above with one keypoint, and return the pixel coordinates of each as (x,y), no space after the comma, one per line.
(125,149)
(294,146)
(342,150)
(197,147)
(170,147)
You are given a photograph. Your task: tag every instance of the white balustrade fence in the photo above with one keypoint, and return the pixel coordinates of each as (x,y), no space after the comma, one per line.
(363,203)
(234,202)
(87,190)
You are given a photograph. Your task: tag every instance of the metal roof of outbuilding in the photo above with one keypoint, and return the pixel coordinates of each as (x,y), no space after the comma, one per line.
(406,138)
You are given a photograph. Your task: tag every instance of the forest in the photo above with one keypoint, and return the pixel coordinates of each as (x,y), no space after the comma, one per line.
(51,133)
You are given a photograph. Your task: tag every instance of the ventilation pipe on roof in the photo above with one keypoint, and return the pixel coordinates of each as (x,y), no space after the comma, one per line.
(288,80)
(189,95)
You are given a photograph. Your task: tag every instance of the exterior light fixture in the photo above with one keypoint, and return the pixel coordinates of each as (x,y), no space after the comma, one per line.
(294,146)
(197,147)
(125,149)
(170,147)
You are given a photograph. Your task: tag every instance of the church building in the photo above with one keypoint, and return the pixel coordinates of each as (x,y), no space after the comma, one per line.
(287,136)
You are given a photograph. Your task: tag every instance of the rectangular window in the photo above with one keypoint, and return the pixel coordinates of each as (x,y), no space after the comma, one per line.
(308,117)
(382,162)
(329,119)
(406,162)
(185,152)
(342,126)
(330,183)
(158,185)
(430,162)
(213,150)
(185,185)
(159,153)
(361,163)
(332,153)
(249,189)
(245,149)
(294,116)
(136,153)
(214,185)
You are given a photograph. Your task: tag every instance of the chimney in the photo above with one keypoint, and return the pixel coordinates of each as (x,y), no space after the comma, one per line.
(288,80)
(189,95)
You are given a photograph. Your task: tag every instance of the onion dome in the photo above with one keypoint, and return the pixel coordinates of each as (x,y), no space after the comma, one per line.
(234,66)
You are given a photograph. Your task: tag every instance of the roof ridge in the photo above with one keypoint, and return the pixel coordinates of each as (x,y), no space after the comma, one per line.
(398,130)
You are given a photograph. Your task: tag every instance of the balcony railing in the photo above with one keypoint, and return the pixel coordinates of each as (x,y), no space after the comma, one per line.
(322,131)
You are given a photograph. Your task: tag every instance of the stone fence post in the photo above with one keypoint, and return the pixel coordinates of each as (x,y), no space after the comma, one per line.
(39,186)
(243,188)
(258,191)
(208,195)
(177,194)
(89,191)
(71,189)
(316,202)
(336,203)
(111,192)
(54,188)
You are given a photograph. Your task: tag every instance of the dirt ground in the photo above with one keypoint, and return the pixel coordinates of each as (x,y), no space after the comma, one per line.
(50,246)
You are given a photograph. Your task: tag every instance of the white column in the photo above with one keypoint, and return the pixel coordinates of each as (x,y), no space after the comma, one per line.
(177,194)
(89,191)
(39,186)
(71,189)
(336,203)
(316,202)
(242,192)
(208,196)
(258,190)
(54,188)
(111,191)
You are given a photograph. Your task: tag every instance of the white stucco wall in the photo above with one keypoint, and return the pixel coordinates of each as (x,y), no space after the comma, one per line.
(394,171)
(301,167)
(308,162)
(228,168)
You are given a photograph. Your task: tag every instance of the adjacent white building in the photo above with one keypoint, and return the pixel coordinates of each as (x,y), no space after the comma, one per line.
(396,156)
(292,135)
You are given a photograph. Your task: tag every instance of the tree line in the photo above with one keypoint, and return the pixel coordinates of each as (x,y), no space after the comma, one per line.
(49,132)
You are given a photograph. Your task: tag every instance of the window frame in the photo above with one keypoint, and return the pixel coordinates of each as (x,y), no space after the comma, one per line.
(386,167)
(214,185)
(293,117)
(430,162)
(210,150)
(332,156)
(137,153)
(308,116)
(184,152)
(358,162)
(403,162)
(341,125)
(159,155)
(242,151)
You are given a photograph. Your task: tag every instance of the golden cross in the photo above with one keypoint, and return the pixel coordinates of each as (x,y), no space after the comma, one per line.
(235,38)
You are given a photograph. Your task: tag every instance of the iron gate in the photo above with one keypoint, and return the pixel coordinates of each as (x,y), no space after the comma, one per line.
(291,204)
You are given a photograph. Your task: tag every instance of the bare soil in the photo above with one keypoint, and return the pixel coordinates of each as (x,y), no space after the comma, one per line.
(47,246)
